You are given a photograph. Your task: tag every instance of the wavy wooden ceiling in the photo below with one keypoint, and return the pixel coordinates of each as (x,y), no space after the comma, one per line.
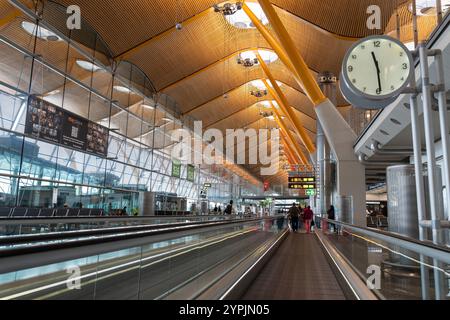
(197,65)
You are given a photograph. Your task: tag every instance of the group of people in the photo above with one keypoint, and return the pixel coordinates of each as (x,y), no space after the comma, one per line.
(297,215)
(229,210)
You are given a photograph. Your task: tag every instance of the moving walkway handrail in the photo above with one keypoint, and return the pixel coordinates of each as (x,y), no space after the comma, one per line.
(19,239)
(426,248)
(44,247)
(62,220)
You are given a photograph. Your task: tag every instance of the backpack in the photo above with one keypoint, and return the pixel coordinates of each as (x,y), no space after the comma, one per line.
(228,209)
(294,212)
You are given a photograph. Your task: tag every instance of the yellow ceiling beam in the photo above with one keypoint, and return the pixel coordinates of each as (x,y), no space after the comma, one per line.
(284,105)
(9,17)
(288,154)
(310,84)
(291,140)
(237,88)
(273,42)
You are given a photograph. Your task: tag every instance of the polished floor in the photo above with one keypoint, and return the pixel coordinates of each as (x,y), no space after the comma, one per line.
(298,270)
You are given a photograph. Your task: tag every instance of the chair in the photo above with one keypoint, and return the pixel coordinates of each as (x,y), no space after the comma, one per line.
(46,213)
(19,212)
(96,213)
(73,212)
(61,212)
(371,223)
(33,213)
(5,212)
(84,212)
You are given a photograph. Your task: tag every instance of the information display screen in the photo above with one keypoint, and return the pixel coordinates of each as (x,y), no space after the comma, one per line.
(300,181)
(51,123)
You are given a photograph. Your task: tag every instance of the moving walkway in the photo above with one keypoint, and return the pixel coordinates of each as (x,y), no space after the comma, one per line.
(221,260)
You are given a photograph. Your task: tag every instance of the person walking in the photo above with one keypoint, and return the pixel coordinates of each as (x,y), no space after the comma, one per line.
(332,216)
(294,214)
(308,215)
(229,210)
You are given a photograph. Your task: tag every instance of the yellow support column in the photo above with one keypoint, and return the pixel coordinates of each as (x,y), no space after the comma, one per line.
(310,85)
(290,138)
(285,107)
(273,43)
(287,149)
(288,154)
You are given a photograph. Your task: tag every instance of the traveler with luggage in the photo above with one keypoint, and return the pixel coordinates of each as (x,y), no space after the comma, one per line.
(308,215)
(294,215)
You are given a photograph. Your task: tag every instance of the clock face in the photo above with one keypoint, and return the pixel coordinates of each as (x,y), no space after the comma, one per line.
(378,67)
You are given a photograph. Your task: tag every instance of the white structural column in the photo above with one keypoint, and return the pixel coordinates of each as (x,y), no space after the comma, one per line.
(351,174)
(327,82)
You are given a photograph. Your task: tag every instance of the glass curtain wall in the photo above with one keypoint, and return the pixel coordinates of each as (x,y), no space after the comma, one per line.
(73,70)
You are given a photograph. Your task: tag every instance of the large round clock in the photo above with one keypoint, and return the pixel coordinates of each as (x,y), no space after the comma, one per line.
(375,71)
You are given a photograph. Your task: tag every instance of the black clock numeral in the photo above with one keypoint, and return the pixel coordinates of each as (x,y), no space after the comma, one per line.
(363,47)
(392,87)
(365,89)
(377,44)
(402,79)
(354,80)
(350,68)
(401,54)
(354,57)
(404,66)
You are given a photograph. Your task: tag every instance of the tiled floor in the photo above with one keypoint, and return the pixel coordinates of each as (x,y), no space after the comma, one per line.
(298,270)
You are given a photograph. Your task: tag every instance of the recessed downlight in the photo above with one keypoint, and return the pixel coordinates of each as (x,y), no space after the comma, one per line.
(40,32)
(122,89)
(87,65)
(146,106)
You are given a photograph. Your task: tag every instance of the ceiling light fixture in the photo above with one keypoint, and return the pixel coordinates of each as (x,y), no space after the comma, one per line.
(167,119)
(87,65)
(235,16)
(40,32)
(249,58)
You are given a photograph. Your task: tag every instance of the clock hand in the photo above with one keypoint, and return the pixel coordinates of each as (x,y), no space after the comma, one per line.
(378,70)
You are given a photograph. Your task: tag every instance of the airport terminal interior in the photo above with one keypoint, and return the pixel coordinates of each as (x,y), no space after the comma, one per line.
(224,150)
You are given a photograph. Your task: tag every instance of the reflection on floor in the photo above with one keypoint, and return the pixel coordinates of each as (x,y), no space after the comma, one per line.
(298,270)
(396,283)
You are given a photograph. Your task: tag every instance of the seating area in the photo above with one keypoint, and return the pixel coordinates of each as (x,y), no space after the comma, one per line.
(377,222)
(18,212)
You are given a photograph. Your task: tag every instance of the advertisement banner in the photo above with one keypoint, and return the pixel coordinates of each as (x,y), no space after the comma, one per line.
(191,173)
(176,169)
(53,124)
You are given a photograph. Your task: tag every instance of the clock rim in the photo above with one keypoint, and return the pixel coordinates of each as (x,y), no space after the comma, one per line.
(392,94)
